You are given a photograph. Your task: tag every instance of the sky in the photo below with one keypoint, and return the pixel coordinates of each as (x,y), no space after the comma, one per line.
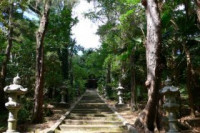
(84,31)
(31,15)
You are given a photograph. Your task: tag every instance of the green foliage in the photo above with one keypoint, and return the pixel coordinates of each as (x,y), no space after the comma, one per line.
(25,113)
(71,91)
(133,2)
(183,91)
(123,36)
(3,121)
(53,72)
(23,53)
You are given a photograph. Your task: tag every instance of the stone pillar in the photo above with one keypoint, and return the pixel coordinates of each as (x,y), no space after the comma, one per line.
(120,94)
(13,90)
(170,92)
(63,94)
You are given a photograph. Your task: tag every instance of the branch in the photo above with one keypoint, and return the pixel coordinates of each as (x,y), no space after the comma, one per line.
(35,10)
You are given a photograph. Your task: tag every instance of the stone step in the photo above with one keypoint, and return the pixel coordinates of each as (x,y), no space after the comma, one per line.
(91,132)
(90,107)
(57,111)
(93,118)
(91,95)
(194,122)
(90,102)
(92,122)
(101,108)
(91,112)
(93,105)
(90,98)
(92,115)
(98,128)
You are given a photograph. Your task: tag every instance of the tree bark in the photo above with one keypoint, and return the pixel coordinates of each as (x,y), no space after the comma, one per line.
(108,80)
(198,9)
(40,34)
(153,48)
(133,84)
(190,71)
(71,66)
(190,79)
(64,57)
(7,58)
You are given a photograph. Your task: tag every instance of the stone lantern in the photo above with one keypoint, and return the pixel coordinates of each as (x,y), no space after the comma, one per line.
(171,105)
(13,90)
(63,94)
(104,92)
(120,94)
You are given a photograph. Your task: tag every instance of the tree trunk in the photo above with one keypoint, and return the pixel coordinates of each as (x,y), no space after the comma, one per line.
(108,80)
(64,57)
(198,9)
(133,84)
(153,48)
(7,58)
(190,71)
(40,34)
(190,79)
(71,67)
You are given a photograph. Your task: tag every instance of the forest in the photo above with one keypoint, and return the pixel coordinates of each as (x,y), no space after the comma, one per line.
(144,43)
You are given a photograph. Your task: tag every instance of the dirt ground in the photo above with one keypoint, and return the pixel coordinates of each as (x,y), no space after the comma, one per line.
(125,112)
(57,110)
(130,117)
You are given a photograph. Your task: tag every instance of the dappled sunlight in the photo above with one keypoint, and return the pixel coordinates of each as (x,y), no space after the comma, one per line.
(99,66)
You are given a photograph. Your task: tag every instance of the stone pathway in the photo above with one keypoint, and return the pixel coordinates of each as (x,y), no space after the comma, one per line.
(91,115)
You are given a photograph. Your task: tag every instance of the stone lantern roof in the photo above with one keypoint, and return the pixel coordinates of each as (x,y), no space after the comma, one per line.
(169,88)
(16,87)
(120,87)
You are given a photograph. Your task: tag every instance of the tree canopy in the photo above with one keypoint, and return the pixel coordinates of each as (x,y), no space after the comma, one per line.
(142,43)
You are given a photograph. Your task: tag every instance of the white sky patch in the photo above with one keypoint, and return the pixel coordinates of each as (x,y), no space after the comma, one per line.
(180,7)
(84,31)
(31,15)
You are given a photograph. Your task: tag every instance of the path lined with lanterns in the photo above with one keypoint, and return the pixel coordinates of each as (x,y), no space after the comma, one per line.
(91,115)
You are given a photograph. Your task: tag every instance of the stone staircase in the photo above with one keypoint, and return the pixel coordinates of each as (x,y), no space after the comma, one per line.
(91,115)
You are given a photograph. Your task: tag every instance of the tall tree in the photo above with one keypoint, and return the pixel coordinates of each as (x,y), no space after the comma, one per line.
(189,70)
(39,84)
(133,83)
(190,79)
(198,9)
(153,48)
(108,79)
(7,55)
